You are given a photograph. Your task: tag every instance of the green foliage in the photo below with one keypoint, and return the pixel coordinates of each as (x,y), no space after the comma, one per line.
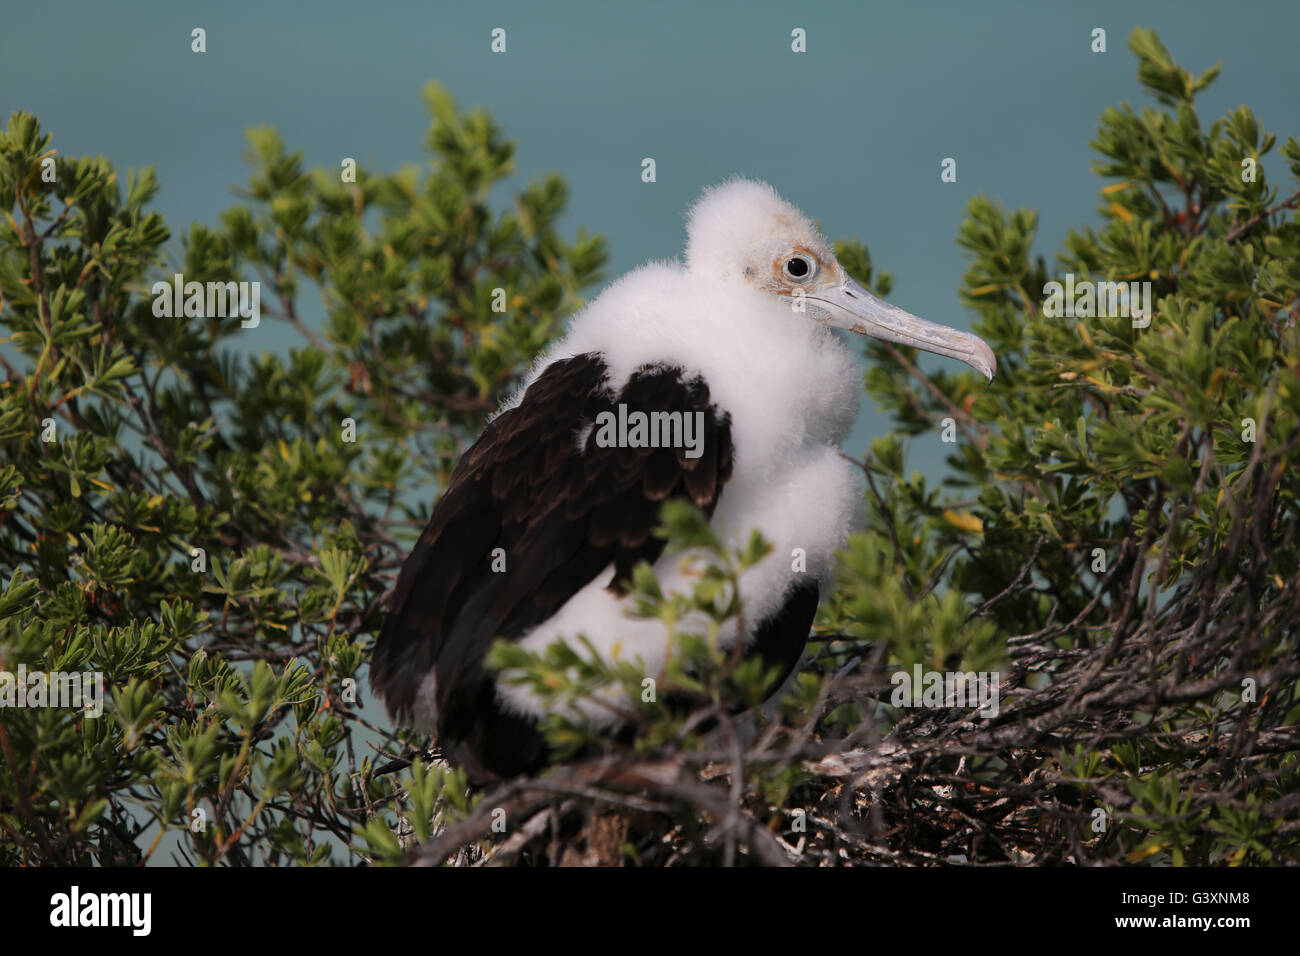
(1125,534)
(181,508)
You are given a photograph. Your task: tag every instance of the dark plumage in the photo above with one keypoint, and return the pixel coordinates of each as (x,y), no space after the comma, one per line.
(561,515)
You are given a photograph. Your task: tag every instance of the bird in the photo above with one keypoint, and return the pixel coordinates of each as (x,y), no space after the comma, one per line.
(547,514)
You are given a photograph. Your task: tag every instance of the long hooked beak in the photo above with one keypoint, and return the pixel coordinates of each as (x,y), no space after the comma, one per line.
(853,308)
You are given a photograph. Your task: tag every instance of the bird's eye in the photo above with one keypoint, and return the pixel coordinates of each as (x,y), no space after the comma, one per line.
(800,268)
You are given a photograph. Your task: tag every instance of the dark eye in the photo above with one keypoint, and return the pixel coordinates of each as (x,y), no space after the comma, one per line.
(800,268)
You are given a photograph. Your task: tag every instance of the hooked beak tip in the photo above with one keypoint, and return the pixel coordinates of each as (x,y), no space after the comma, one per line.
(853,308)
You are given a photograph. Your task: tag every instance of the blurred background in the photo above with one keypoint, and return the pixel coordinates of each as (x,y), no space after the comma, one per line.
(853,130)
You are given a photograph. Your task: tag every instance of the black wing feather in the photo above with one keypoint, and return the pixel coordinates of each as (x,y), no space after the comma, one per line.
(561,516)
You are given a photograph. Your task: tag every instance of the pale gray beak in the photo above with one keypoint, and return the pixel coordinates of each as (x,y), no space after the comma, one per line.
(853,308)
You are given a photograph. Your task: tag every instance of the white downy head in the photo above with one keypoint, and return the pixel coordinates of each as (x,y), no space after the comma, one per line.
(743,232)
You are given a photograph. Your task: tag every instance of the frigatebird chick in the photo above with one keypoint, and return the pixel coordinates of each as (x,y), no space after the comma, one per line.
(738,343)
